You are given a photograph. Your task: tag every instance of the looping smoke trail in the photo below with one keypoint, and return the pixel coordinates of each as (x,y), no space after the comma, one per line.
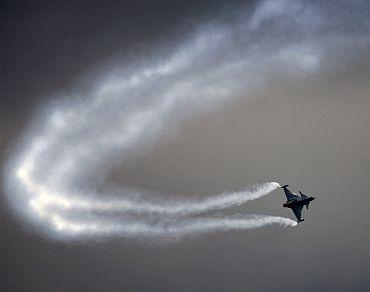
(51,180)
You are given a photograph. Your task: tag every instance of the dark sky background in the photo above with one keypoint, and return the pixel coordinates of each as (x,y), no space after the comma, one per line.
(313,134)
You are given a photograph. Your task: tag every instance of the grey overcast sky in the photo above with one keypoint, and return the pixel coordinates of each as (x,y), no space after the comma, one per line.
(273,90)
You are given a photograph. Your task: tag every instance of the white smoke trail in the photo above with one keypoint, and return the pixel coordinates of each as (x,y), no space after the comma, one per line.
(164,229)
(51,180)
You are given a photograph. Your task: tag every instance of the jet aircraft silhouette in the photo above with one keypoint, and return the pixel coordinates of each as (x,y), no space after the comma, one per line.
(295,202)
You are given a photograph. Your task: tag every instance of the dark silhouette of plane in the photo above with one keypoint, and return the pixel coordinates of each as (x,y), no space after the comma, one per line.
(295,202)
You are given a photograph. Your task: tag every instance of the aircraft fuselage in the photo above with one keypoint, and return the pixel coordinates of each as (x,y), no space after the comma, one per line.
(298,202)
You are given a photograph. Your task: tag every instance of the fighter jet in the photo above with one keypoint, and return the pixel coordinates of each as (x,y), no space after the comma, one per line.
(295,202)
